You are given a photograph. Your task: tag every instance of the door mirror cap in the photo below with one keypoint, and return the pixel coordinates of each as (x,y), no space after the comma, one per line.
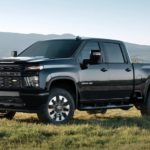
(95,56)
(14,54)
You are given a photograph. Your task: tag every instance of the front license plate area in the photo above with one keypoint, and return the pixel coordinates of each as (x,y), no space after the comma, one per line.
(9,94)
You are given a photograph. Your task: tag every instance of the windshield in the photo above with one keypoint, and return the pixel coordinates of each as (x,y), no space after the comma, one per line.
(52,49)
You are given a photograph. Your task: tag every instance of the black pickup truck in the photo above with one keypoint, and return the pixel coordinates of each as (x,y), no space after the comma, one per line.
(53,78)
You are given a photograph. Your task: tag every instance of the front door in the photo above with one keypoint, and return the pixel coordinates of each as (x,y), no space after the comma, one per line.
(93,84)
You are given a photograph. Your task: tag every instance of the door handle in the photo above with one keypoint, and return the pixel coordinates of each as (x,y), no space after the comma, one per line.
(128,69)
(103,69)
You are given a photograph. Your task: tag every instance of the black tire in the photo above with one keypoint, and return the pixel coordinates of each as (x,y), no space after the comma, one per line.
(59,107)
(8,115)
(145,110)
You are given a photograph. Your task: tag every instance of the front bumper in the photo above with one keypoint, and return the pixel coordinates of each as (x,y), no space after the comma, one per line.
(22,101)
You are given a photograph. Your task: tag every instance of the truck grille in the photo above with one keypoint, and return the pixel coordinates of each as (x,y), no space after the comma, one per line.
(10,68)
(10,82)
(10,76)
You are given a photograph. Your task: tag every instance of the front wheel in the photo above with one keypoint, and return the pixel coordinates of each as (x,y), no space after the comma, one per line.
(59,107)
(7,114)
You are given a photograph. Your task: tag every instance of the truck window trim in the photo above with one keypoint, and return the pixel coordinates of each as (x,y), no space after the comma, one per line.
(122,52)
(79,51)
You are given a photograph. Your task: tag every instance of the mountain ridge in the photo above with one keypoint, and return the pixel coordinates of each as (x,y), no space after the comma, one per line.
(18,41)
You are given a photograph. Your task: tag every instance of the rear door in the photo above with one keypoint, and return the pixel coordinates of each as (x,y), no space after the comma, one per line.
(119,69)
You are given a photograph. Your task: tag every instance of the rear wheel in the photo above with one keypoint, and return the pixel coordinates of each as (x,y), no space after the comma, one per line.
(59,107)
(145,111)
(7,114)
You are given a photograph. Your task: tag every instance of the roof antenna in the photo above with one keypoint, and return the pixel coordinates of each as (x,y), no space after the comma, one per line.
(78,38)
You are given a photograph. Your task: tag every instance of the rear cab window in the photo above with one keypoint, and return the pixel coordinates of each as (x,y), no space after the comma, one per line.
(113,53)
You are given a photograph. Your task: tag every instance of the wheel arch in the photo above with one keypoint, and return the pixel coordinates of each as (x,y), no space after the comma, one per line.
(67,83)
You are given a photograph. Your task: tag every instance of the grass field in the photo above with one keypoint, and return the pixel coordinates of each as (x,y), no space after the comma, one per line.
(115,130)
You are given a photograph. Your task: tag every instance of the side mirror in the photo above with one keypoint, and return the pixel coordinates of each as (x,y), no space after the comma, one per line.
(95,56)
(14,53)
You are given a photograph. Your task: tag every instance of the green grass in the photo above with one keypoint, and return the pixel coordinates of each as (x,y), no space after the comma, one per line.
(115,130)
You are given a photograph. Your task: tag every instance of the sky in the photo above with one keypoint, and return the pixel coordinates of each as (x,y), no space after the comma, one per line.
(127,20)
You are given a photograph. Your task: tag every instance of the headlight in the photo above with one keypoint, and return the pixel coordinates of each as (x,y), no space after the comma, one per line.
(34,68)
(32,81)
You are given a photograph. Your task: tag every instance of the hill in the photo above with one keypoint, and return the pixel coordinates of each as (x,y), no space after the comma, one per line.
(16,41)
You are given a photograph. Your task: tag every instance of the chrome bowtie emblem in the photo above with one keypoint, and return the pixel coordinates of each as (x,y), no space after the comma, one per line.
(14,80)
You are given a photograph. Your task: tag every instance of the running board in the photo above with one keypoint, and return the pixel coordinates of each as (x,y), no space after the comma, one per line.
(106,107)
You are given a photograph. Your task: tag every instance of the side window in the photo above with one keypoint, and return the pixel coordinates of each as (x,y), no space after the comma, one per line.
(85,53)
(113,53)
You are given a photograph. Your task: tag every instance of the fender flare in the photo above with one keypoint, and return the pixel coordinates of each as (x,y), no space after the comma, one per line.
(48,87)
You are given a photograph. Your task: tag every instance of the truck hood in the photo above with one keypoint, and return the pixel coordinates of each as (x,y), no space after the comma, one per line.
(23,59)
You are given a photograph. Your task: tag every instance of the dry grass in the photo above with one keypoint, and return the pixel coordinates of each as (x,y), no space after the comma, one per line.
(115,130)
